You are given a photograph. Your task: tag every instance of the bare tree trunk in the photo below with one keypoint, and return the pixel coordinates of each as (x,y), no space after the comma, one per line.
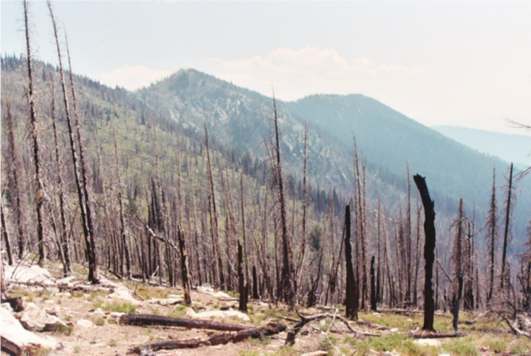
(373,286)
(458,268)
(14,181)
(429,251)
(214,217)
(123,234)
(286,281)
(39,192)
(351,300)
(242,287)
(60,186)
(503,277)
(5,235)
(184,268)
(80,185)
(492,227)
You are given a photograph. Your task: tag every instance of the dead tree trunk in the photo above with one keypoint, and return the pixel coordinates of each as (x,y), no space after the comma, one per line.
(80,185)
(184,268)
(503,277)
(39,192)
(242,288)
(286,280)
(429,251)
(457,260)
(13,181)
(373,286)
(351,300)
(125,246)
(492,237)
(5,235)
(214,217)
(61,195)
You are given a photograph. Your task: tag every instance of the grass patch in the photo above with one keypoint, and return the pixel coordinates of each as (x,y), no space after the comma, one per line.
(179,311)
(392,342)
(145,292)
(120,307)
(461,346)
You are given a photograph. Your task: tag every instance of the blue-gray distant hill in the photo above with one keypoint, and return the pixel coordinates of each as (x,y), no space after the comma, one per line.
(509,147)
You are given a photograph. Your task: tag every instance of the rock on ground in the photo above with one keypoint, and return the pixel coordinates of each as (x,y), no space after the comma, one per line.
(12,330)
(28,274)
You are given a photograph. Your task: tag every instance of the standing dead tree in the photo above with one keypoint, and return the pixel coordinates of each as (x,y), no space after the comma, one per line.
(351,298)
(286,279)
(492,237)
(14,181)
(457,260)
(80,179)
(185,279)
(39,191)
(504,275)
(219,275)
(429,251)
(60,187)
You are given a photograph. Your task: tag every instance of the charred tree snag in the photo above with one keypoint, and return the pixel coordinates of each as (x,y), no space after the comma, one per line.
(60,186)
(80,184)
(373,286)
(39,191)
(5,236)
(504,273)
(13,181)
(255,284)
(214,217)
(457,259)
(492,227)
(91,253)
(286,280)
(429,250)
(184,268)
(351,300)
(242,288)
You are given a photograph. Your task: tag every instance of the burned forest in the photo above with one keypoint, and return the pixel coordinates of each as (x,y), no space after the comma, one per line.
(195,216)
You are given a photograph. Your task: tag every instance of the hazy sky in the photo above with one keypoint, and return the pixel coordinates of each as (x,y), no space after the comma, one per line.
(451,62)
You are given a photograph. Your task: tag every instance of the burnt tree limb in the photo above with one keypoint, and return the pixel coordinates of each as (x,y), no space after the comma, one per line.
(159,320)
(219,339)
(429,251)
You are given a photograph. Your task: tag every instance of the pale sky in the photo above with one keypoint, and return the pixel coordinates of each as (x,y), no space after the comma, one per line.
(465,63)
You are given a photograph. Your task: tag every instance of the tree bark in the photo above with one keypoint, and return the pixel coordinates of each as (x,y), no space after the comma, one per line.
(429,251)
(39,191)
(351,300)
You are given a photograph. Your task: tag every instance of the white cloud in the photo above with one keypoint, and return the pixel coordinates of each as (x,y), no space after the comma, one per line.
(295,73)
(133,77)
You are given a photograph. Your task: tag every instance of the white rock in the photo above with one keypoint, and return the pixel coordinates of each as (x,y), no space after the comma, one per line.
(428,342)
(98,312)
(165,301)
(315,353)
(84,323)
(221,314)
(116,315)
(24,273)
(12,330)
(35,318)
(205,289)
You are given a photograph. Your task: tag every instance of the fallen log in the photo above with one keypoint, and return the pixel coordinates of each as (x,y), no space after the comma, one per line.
(219,339)
(516,330)
(159,320)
